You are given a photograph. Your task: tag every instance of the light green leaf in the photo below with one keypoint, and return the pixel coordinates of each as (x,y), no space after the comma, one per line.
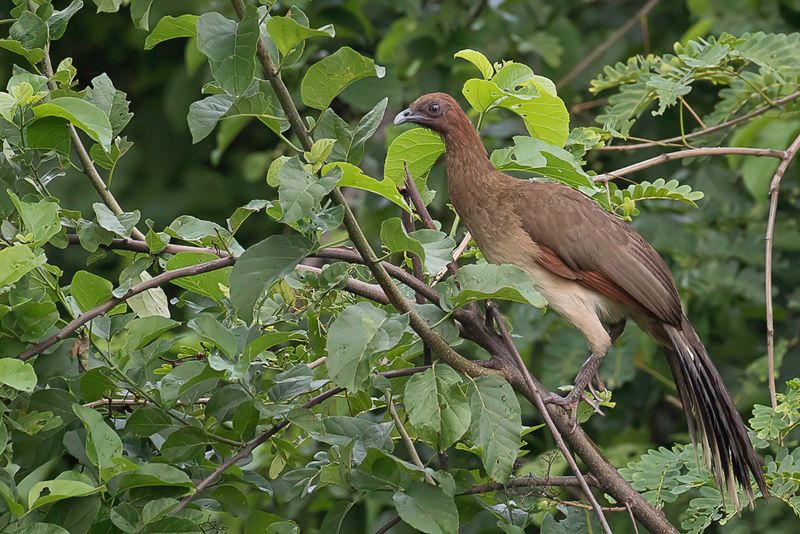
(230,48)
(89,290)
(172,28)
(189,378)
(145,330)
(40,218)
(205,114)
(140,13)
(330,76)
(112,101)
(496,425)
(16,261)
(419,148)
(57,22)
(300,192)
(287,33)
(108,6)
(50,491)
(427,508)
(151,302)
(81,114)
(121,224)
(17,374)
(209,284)
(261,266)
(103,445)
(395,238)
(29,30)
(358,335)
(477,59)
(33,56)
(489,281)
(437,406)
(533,155)
(353,176)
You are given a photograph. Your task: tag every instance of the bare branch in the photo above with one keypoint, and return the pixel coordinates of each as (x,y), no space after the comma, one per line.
(605,45)
(690,153)
(412,451)
(706,131)
(774,192)
(416,199)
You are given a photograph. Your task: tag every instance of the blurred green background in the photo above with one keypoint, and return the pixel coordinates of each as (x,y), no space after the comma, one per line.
(716,252)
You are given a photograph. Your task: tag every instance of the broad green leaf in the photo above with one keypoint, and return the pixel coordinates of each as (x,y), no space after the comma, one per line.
(489,281)
(151,302)
(111,101)
(496,425)
(108,6)
(121,224)
(49,133)
(151,475)
(40,218)
(29,30)
(300,192)
(90,290)
(261,266)
(419,148)
(144,330)
(327,78)
(50,491)
(148,420)
(479,60)
(172,28)
(57,22)
(395,238)
(16,261)
(438,248)
(427,508)
(333,522)
(186,444)
(211,329)
(353,176)
(205,114)
(103,445)
(140,13)
(230,48)
(358,335)
(287,33)
(8,497)
(189,378)
(437,406)
(365,129)
(33,56)
(17,374)
(81,114)
(533,155)
(210,284)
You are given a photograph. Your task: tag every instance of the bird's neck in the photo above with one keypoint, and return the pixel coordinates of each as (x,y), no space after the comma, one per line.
(469,171)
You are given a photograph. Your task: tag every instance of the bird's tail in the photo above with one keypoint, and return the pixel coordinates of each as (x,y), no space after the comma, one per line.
(712,416)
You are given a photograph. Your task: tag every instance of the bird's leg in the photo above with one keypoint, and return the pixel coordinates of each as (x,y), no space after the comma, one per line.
(583,381)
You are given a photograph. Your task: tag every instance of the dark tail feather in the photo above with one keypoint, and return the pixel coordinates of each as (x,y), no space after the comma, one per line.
(712,416)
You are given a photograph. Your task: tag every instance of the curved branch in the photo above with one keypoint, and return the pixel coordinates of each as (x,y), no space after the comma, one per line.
(690,153)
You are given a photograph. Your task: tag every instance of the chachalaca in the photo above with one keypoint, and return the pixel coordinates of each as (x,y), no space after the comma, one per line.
(593,269)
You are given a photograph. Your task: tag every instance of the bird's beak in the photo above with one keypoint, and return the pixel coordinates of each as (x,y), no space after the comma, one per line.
(407,115)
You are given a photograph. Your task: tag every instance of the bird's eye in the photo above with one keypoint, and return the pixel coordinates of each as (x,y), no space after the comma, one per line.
(434,108)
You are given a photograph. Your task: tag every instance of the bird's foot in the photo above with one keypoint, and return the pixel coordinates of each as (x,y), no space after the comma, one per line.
(588,374)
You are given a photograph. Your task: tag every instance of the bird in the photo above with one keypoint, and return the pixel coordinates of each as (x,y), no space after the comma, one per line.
(594,270)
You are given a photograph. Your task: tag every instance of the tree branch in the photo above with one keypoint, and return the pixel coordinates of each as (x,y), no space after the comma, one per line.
(774,192)
(86,161)
(705,131)
(412,451)
(690,153)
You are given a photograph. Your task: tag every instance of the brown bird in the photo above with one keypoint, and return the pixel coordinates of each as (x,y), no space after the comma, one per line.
(593,269)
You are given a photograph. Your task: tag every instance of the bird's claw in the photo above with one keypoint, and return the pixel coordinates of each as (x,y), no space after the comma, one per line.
(588,374)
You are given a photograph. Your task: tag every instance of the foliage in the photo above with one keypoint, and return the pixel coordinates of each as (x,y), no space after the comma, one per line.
(110,427)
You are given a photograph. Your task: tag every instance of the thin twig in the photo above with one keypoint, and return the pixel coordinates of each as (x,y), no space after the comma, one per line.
(453,265)
(527,482)
(409,445)
(774,192)
(605,45)
(690,153)
(416,199)
(539,403)
(125,403)
(388,526)
(83,155)
(711,129)
(111,303)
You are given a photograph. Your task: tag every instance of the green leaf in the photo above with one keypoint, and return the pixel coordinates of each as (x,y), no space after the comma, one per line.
(185,444)
(667,91)
(57,22)
(477,59)
(230,48)
(205,114)
(150,302)
(489,281)
(144,330)
(353,176)
(50,491)
(151,475)
(81,114)
(533,155)
(103,445)
(121,224)
(261,266)
(90,290)
(16,261)
(496,425)
(419,148)
(330,76)
(17,374)
(437,406)
(300,192)
(148,420)
(357,336)
(140,13)
(211,329)
(209,284)
(333,522)
(287,33)
(108,6)
(111,101)
(189,378)
(767,423)
(33,56)
(427,508)
(172,28)
(29,30)
(40,218)
(49,133)
(395,238)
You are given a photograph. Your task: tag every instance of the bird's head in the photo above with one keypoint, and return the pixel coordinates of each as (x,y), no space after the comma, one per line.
(438,111)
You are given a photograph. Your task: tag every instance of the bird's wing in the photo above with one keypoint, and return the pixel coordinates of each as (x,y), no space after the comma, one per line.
(581,241)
